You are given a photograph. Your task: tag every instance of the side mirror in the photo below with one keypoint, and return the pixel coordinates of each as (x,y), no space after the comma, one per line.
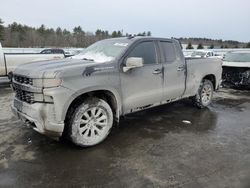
(133,62)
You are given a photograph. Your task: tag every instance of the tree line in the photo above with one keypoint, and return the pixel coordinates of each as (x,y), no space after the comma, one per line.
(211,43)
(200,46)
(18,35)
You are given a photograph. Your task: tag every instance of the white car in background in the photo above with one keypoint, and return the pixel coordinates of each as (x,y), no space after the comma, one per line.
(236,69)
(204,54)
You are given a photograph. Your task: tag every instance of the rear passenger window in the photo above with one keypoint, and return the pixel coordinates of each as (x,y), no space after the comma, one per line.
(169,52)
(146,50)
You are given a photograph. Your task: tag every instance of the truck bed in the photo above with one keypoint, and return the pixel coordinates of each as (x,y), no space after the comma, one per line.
(199,67)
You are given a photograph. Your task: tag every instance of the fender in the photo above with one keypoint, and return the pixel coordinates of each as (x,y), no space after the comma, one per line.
(93,89)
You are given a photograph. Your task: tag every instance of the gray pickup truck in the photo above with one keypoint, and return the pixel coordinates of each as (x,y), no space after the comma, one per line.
(84,96)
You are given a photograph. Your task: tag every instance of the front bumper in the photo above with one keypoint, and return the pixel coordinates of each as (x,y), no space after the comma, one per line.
(40,115)
(236,76)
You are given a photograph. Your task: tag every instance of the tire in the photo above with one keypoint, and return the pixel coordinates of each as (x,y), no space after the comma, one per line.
(204,96)
(91,122)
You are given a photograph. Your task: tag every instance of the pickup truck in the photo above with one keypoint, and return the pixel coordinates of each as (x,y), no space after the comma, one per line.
(84,96)
(8,61)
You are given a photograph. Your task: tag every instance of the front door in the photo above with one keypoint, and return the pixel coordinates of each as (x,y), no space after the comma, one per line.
(142,86)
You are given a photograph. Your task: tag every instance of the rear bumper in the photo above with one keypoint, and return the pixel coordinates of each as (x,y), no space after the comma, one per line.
(236,76)
(40,115)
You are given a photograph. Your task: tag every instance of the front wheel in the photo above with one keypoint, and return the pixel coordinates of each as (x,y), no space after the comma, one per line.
(91,122)
(204,95)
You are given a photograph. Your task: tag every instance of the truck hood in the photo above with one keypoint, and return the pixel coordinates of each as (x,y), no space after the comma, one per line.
(235,64)
(51,68)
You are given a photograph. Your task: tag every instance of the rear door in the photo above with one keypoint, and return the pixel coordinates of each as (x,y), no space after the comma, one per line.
(174,70)
(144,85)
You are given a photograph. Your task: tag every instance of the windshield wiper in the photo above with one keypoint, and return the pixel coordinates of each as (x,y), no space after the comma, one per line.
(88,59)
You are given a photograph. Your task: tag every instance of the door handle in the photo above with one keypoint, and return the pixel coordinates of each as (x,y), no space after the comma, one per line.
(157,71)
(181,68)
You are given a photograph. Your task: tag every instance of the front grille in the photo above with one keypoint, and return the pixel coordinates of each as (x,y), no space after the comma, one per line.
(232,74)
(24,96)
(23,87)
(23,79)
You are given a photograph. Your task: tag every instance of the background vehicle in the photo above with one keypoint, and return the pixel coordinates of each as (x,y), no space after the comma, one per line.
(84,95)
(204,54)
(236,69)
(56,51)
(9,61)
(52,51)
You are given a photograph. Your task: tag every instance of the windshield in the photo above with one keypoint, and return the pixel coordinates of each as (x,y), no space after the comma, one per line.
(198,54)
(103,51)
(237,57)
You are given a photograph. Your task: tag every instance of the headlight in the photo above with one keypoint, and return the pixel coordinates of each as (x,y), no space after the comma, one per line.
(47,82)
(51,82)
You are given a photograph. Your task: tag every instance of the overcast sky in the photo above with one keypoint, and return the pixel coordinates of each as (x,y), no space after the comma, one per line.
(217,19)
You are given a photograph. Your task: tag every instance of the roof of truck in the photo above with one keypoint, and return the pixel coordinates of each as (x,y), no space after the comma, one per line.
(134,38)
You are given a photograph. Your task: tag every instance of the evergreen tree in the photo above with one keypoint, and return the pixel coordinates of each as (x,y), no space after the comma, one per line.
(42,35)
(114,34)
(211,46)
(200,46)
(149,33)
(41,29)
(1,30)
(98,32)
(79,35)
(189,46)
(77,30)
(58,31)
(143,34)
(119,34)
(106,34)
(13,27)
(248,45)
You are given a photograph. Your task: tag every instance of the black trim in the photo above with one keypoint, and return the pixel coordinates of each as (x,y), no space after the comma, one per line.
(5,64)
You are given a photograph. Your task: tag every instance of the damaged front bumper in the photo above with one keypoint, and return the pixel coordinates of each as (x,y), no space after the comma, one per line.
(39,116)
(236,76)
(42,109)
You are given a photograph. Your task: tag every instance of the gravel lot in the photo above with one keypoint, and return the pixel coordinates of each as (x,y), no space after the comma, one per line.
(153,148)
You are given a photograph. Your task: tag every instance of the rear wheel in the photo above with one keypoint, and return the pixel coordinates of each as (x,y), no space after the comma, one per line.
(91,122)
(204,95)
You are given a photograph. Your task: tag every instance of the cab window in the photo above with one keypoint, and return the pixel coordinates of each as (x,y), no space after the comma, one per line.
(145,50)
(169,52)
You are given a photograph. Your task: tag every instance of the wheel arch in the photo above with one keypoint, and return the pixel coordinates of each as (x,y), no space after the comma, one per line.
(110,96)
(212,78)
